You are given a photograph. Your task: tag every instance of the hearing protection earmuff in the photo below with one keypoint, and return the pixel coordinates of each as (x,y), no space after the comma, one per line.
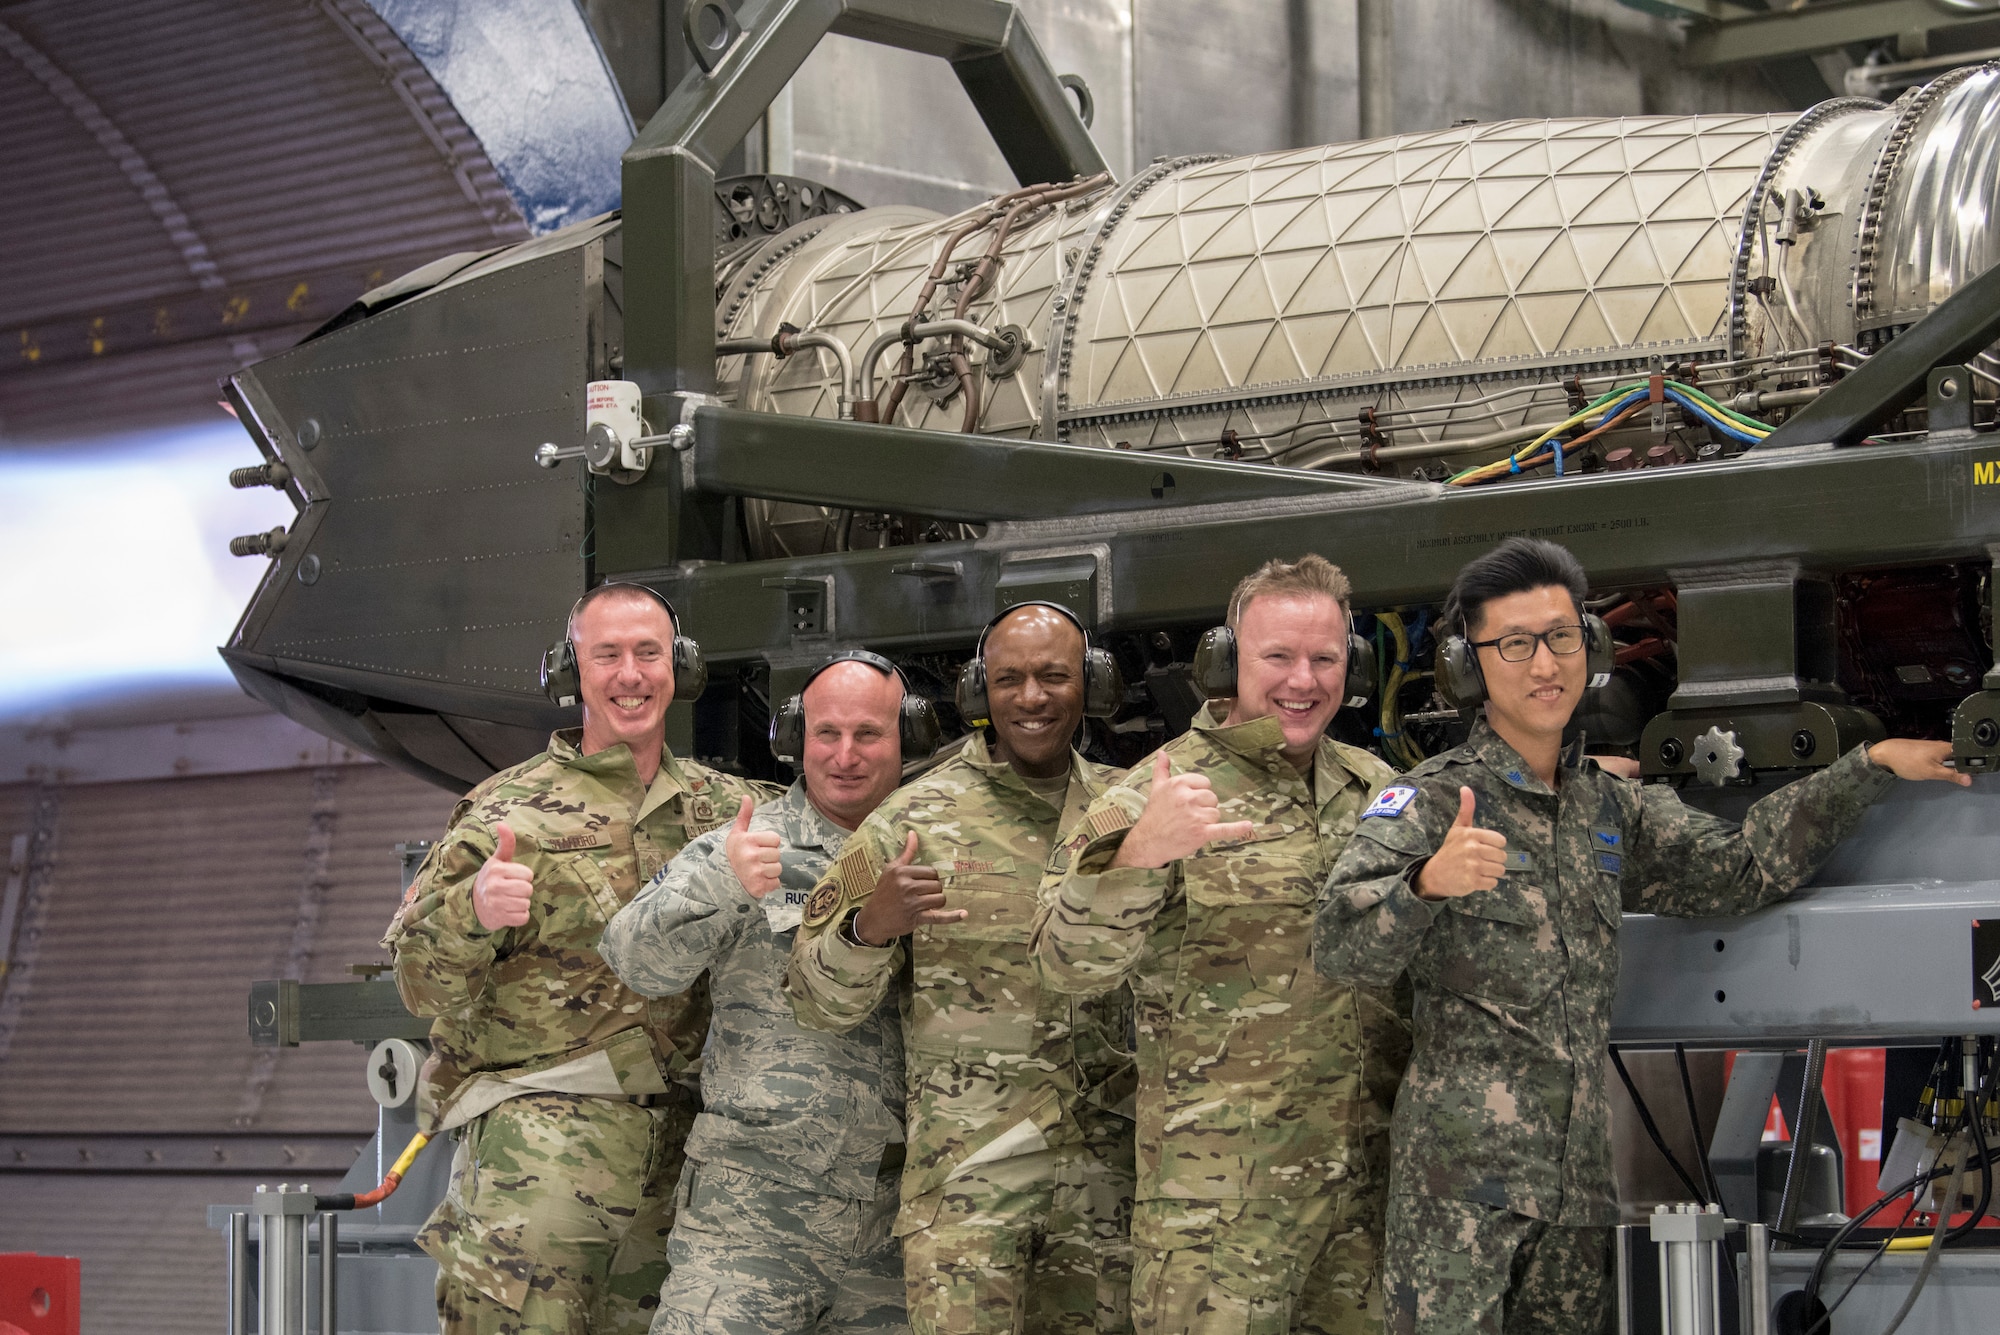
(559,675)
(1103,684)
(1215,666)
(916,721)
(1463,682)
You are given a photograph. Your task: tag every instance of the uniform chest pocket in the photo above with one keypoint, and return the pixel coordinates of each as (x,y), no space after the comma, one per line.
(999,897)
(1279,865)
(579,899)
(1499,945)
(1249,926)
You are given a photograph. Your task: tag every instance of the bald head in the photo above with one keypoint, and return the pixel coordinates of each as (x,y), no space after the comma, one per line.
(853,754)
(1034,688)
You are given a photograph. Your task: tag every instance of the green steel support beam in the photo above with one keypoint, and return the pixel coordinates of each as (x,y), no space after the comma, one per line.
(1818,27)
(1905,502)
(1709,10)
(975,479)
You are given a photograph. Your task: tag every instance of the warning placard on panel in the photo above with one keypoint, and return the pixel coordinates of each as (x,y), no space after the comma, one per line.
(1985,963)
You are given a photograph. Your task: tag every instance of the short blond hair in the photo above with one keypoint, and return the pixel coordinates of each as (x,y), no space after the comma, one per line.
(1308,577)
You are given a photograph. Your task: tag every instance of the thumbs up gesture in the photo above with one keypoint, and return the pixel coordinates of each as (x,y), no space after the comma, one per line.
(503,887)
(907,895)
(1470,859)
(753,854)
(1182,814)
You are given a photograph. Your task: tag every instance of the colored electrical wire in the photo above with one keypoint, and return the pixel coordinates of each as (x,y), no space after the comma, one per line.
(390,1180)
(1401,749)
(1610,410)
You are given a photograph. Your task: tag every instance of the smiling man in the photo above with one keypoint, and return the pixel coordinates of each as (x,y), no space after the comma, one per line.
(567,1090)
(1264,1091)
(1017,1186)
(1496,873)
(790,1189)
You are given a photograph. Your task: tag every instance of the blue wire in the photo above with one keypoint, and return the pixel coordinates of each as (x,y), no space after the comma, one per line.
(1729,429)
(1417,631)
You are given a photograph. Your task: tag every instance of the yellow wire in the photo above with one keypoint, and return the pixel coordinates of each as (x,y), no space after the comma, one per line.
(1401,749)
(409,1154)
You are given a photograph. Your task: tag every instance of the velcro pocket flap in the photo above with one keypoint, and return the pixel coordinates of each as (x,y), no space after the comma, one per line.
(1502,903)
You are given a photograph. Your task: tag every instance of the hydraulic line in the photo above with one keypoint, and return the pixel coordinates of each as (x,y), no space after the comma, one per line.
(1714,1193)
(1968,1108)
(1001,214)
(1652,1127)
(1396,673)
(387,1187)
(1936,1247)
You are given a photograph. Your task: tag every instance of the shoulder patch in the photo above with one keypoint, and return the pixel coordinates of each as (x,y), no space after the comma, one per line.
(857,869)
(1107,819)
(1391,801)
(821,904)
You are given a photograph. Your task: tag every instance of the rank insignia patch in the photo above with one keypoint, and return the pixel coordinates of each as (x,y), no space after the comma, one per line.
(1391,801)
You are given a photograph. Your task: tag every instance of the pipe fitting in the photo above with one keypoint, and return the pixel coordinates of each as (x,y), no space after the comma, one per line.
(259,544)
(260,475)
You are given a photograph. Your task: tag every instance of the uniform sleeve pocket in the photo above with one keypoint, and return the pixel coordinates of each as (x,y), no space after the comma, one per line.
(1609,901)
(1396,834)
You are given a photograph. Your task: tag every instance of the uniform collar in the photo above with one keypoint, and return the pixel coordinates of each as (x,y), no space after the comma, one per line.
(979,755)
(805,825)
(1261,744)
(1500,757)
(614,765)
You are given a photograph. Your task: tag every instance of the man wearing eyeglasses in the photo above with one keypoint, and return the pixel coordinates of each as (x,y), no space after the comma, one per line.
(1496,874)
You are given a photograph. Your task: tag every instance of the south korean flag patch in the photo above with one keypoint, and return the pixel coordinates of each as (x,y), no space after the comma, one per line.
(1391,801)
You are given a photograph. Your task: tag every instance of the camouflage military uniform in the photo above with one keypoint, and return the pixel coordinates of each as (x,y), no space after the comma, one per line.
(1502,1134)
(1017,1191)
(562,1080)
(1264,1092)
(788,1199)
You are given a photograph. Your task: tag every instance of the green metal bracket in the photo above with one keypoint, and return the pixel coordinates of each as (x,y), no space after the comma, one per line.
(285,1013)
(669,172)
(1729,38)
(865,466)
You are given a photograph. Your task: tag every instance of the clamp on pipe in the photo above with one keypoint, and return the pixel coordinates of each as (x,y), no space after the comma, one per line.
(912,332)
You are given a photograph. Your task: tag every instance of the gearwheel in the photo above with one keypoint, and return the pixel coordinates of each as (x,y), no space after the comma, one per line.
(1716,757)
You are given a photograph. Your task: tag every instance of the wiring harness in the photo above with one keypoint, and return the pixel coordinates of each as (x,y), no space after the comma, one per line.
(1609,411)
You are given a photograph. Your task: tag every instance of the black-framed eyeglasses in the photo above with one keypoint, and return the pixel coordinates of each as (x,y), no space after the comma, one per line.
(1520,646)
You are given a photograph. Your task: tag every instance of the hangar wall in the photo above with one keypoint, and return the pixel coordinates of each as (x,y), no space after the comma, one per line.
(890,127)
(130,1097)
